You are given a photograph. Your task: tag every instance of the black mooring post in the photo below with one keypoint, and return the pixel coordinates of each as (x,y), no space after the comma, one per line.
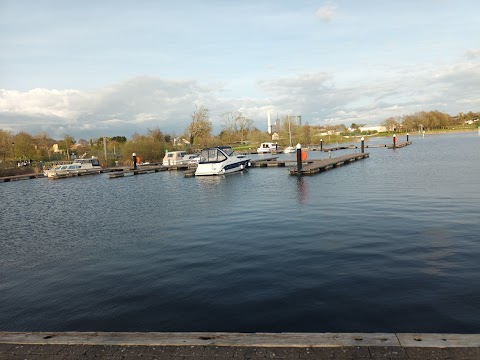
(299,159)
(134,158)
(321,144)
(407,137)
(362,146)
(394,140)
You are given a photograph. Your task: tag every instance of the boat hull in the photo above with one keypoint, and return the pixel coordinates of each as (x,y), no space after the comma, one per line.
(209,169)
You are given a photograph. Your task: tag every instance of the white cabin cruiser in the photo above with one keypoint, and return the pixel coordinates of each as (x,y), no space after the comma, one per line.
(220,160)
(267,148)
(174,158)
(90,165)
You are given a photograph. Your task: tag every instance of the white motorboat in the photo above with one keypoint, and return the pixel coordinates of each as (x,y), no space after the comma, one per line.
(90,165)
(289,150)
(267,148)
(179,158)
(220,160)
(173,158)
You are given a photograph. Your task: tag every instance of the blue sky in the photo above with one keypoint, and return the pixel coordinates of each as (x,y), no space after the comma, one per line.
(108,68)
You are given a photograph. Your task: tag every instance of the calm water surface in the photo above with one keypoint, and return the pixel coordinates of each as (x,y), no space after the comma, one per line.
(389,243)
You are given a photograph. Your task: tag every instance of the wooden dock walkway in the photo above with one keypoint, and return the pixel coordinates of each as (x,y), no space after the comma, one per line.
(399,145)
(188,168)
(252,346)
(266,162)
(317,166)
(21,177)
(336,148)
(139,171)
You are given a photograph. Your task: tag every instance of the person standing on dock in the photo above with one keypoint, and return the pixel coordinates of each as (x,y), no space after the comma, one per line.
(134,158)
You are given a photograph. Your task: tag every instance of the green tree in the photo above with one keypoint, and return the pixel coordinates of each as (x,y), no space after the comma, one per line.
(119,139)
(6,148)
(24,146)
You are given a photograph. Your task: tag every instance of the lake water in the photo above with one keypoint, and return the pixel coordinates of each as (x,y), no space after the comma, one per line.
(386,244)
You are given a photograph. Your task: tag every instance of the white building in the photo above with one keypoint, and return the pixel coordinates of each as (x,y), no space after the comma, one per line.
(376,128)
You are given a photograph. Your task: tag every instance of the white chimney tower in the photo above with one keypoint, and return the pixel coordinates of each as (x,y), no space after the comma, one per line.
(269,124)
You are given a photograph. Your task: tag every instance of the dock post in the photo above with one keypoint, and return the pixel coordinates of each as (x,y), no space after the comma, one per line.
(362,146)
(407,137)
(299,159)
(394,140)
(321,144)
(134,158)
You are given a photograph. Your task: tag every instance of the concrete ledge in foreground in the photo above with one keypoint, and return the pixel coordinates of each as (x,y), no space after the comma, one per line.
(201,345)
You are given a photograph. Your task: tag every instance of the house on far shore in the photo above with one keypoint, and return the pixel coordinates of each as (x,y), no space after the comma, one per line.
(377,128)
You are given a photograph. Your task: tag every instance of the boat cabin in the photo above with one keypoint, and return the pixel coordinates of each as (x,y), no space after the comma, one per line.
(174,158)
(88,163)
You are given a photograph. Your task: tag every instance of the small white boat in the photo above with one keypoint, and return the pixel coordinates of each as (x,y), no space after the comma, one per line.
(180,158)
(220,160)
(267,148)
(174,158)
(289,150)
(90,165)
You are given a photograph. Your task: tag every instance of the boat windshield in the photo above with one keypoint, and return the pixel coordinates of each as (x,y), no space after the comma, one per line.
(93,161)
(212,155)
(229,151)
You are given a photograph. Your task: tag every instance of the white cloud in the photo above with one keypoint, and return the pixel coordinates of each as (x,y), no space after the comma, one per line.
(131,106)
(143,103)
(472,54)
(326,12)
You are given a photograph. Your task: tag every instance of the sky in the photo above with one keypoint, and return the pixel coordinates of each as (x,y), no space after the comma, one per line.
(96,68)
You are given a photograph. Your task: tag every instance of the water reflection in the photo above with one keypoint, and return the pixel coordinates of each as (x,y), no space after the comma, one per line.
(209,180)
(302,189)
(438,257)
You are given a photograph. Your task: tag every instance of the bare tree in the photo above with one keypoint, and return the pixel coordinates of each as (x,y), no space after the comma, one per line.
(391,123)
(243,125)
(155,134)
(229,123)
(201,126)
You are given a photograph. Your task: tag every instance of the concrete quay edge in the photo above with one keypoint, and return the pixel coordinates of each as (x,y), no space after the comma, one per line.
(219,339)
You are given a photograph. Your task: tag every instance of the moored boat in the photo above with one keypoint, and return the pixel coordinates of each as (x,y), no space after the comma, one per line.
(289,150)
(174,158)
(78,166)
(267,148)
(220,160)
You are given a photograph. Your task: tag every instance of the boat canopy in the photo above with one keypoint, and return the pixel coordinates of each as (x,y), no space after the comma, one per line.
(216,154)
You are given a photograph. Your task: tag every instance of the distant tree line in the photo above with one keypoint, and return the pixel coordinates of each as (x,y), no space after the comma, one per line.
(428,120)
